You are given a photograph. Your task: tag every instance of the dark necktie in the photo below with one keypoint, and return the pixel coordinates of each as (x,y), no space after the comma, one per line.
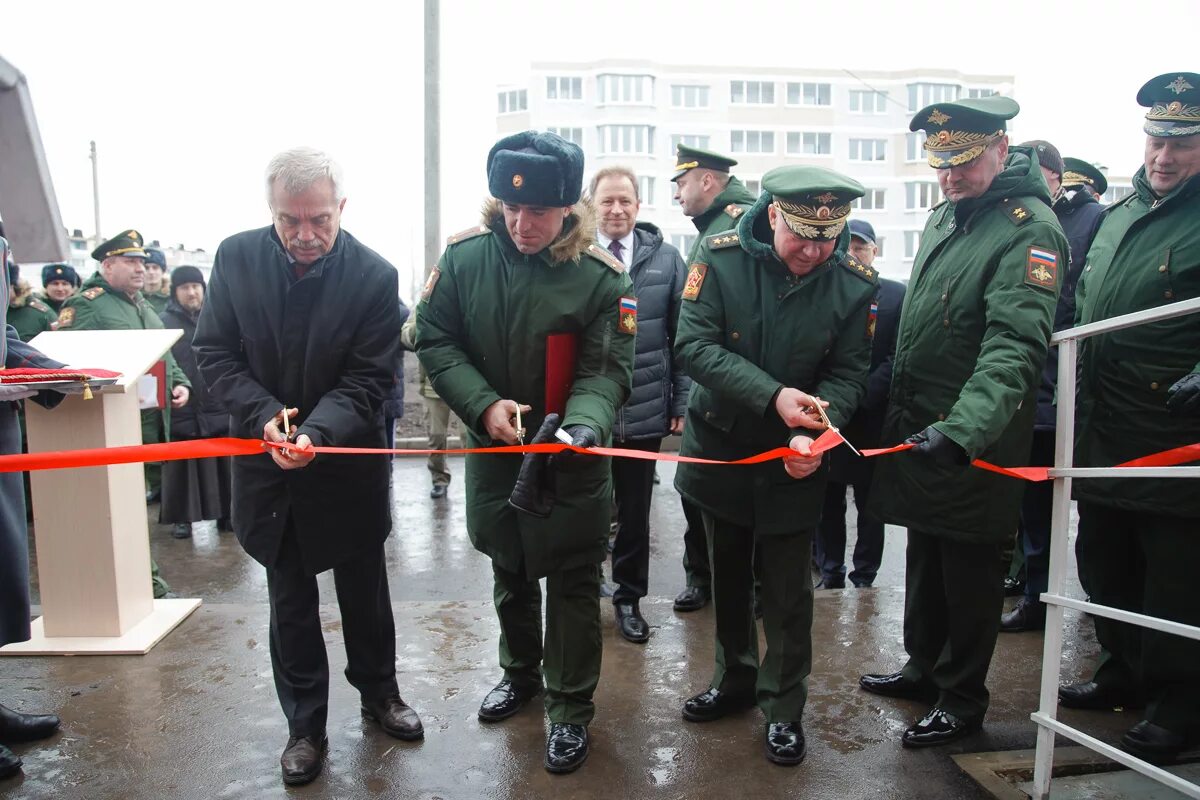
(615,248)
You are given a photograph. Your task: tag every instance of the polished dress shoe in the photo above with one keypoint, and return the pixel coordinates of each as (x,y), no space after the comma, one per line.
(566,747)
(225,525)
(829,582)
(181,530)
(861,584)
(438,491)
(1153,743)
(153,495)
(301,760)
(712,704)
(630,622)
(785,743)
(895,684)
(1013,587)
(1026,615)
(1092,696)
(17,727)
(505,700)
(10,762)
(693,598)
(395,716)
(938,727)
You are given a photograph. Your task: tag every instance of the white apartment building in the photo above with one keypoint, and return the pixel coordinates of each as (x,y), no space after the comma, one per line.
(633,113)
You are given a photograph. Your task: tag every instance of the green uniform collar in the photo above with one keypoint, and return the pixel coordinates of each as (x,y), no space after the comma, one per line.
(735,192)
(1020,177)
(1184,190)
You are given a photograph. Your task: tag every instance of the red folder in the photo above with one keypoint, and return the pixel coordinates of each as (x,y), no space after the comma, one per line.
(561,349)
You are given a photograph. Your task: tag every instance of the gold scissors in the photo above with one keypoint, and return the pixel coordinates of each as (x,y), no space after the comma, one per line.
(829,425)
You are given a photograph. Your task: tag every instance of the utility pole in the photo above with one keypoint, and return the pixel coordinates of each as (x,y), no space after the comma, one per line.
(95,188)
(433,159)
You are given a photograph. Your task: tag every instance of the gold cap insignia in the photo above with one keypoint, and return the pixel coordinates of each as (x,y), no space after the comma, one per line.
(518,181)
(826,198)
(938,118)
(1179,85)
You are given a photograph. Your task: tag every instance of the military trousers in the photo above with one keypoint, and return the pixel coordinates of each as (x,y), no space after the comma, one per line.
(633,486)
(1145,563)
(437,420)
(153,433)
(567,658)
(695,548)
(780,682)
(953,595)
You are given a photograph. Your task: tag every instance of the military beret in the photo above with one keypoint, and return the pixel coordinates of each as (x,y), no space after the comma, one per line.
(60,272)
(813,201)
(689,158)
(959,132)
(1047,154)
(126,243)
(1080,173)
(155,255)
(535,169)
(1174,103)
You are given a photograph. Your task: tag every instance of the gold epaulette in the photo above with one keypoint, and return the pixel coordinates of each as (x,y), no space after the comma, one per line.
(723,240)
(610,261)
(859,269)
(469,233)
(1017,214)
(92,293)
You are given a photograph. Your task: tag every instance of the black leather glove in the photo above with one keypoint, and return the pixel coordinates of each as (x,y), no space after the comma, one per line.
(1184,396)
(932,443)
(581,436)
(534,491)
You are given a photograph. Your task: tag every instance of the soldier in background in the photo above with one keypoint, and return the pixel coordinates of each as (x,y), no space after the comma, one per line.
(156,289)
(59,281)
(29,315)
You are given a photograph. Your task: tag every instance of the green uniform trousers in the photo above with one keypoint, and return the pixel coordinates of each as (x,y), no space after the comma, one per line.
(569,654)
(437,416)
(152,433)
(953,598)
(780,682)
(1145,563)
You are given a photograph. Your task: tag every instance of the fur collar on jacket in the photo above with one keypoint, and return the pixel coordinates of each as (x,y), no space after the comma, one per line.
(578,233)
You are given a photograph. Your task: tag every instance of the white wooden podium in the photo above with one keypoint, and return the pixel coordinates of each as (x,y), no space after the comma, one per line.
(93,548)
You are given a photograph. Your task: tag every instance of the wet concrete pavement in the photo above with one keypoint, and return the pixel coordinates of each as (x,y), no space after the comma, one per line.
(198,717)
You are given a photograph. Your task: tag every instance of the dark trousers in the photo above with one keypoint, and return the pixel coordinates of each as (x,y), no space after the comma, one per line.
(953,597)
(831,534)
(695,548)
(780,682)
(298,646)
(1036,509)
(570,653)
(1145,563)
(633,485)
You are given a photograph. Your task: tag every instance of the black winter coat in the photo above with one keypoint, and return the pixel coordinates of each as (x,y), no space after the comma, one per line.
(326,344)
(660,388)
(203,416)
(393,404)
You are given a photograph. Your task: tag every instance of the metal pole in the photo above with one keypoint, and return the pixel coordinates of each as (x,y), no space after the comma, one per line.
(433,160)
(95,187)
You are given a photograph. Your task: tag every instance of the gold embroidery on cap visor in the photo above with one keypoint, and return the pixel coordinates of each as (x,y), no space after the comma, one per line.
(813,222)
(120,251)
(955,148)
(1174,112)
(1074,179)
(686,165)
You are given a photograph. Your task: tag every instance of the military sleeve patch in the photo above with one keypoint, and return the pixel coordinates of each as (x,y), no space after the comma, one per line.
(93,293)
(610,261)
(627,315)
(1019,215)
(469,233)
(860,269)
(1041,268)
(871,318)
(723,240)
(66,317)
(734,210)
(695,280)
(431,282)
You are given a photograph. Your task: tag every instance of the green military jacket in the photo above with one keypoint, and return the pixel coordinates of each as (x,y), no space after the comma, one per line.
(28,314)
(482,324)
(1146,254)
(973,333)
(726,209)
(158,300)
(749,328)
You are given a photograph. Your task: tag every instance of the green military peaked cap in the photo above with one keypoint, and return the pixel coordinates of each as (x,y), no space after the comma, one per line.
(959,132)
(1174,103)
(126,243)
(687,158)
(813,201)
(1081,173)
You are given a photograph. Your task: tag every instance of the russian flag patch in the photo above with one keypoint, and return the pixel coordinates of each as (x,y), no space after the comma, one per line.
(627,315)
(1041,268)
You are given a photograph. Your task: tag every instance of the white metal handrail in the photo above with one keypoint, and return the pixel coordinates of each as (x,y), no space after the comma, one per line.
(1063,472)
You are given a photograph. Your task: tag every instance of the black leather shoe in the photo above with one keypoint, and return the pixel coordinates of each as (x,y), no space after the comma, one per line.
(153,495)
(225,525)
(713,704)
(505,700)
(1026,615)
(938,727)
(10,762)
(861,584)
(1093,696)
(437,492)
(16,727)
(181,530)
(785,743)
(630,622)
(396,718)
(1153,743)
(693,598)
(301,761)
(566,747)
(829,582)
(894,684)
(1013,587)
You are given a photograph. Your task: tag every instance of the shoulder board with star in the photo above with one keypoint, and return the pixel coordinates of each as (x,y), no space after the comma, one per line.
(734,210)
(859,269)
(469,233)
(610,261)
(92,293)
(723,240)
(1018,213)
(38,305)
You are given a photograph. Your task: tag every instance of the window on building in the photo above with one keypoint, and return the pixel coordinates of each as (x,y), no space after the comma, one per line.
(752,141)
(570,134)
(624,89)
(754,185)
(921,195)
(809,143)
(752,92)
(564,88)
(513,100)
(809,94)
(912,243)
(646,190)
(1115,193)
(683,96)
(868,102)
(688,140)
(683,242)
(630,139)
(879,246)
(980,92)
(925,94)
(914,146)
(871,201)
(868,149)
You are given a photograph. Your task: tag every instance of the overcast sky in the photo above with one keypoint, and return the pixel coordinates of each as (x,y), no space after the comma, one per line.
(187,102)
